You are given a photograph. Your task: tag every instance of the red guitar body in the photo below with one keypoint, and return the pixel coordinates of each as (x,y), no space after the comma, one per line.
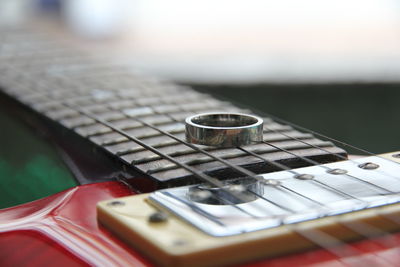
(62,230)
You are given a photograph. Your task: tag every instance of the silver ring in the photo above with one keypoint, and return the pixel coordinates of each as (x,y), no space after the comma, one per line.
(224,129)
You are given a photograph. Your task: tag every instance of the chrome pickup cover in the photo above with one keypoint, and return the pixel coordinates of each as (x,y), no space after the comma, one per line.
(292,200)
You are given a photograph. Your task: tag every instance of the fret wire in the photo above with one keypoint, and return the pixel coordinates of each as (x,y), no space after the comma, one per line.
(276,164)
(315,163)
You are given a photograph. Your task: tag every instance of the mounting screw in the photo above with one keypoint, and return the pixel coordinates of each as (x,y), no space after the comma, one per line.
(158,217)
(337,171)
(368,166)
(396,155)
(116,203)
(304,176)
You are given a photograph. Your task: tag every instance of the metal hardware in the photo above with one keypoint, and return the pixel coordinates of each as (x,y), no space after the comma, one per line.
(224,129)
(304,176)
(368,166)
(337,171)
(158,217)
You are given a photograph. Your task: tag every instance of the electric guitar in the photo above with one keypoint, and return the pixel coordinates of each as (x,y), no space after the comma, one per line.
(148,197)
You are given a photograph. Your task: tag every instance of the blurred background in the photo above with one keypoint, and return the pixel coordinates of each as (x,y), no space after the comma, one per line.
(332,66)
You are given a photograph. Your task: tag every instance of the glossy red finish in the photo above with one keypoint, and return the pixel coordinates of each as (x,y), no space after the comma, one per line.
(62,230)
(64,224)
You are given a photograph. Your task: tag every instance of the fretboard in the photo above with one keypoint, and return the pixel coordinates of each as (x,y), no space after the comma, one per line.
(112,107)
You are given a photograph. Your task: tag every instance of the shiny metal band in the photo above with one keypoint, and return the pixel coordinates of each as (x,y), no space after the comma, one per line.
(224,129)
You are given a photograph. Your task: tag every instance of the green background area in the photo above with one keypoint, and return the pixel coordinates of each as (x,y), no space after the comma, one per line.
(30,167)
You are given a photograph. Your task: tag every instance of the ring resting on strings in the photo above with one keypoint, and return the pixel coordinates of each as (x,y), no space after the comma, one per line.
(224,129)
